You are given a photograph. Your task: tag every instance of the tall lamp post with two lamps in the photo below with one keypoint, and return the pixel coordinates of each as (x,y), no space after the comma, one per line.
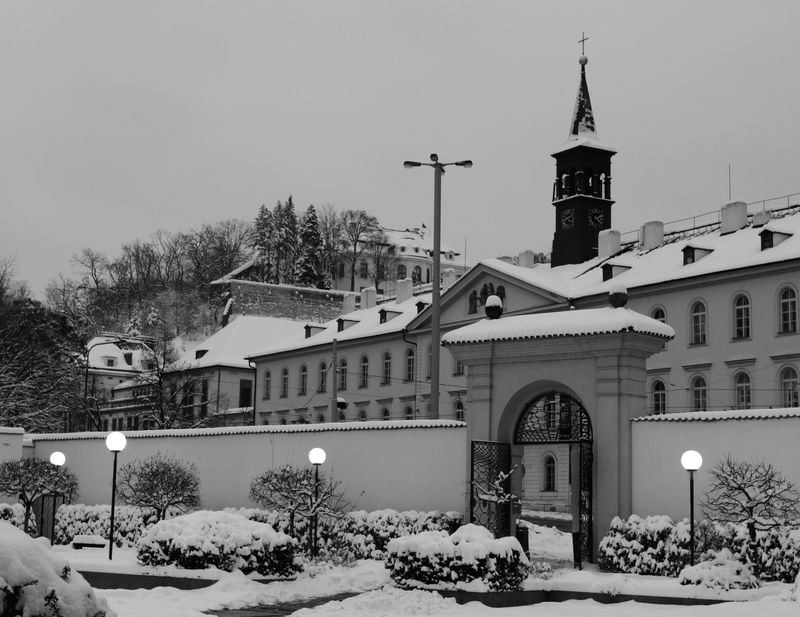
(438,172)
(316,457)
(115,442)
(691,460)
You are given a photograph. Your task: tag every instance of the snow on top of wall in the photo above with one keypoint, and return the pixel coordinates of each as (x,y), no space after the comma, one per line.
(721,416)
(564,323)
(230,345)
(732,251)
(365,323)
(242,430)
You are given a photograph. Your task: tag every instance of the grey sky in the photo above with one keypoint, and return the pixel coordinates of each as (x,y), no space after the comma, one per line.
(121,118)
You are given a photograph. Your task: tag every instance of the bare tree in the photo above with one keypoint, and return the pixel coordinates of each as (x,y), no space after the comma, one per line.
(159,482)
(753,494)
(28,479)
(381,253)
(358,229)
(330,229)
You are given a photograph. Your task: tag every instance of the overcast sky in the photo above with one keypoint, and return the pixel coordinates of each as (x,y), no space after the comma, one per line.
(121,118)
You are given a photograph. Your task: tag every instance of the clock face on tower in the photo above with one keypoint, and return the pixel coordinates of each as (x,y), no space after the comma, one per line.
(568,218)
(596,217)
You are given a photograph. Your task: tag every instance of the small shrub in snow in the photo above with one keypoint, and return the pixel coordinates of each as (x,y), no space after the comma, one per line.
(722,572)
(161,482)
(220,539)
(15,514)
(654,545)
(36,581)
(470,553)
(541,569)
(79,519)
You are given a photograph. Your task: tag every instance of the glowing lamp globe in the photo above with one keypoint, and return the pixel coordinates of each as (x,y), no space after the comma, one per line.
(116,441)
(316,456)
(58,458)
(691,460)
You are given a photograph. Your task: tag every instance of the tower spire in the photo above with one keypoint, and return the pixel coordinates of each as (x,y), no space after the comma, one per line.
(582,124)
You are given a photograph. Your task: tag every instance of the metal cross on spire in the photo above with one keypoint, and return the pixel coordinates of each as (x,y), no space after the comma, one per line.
(583,40)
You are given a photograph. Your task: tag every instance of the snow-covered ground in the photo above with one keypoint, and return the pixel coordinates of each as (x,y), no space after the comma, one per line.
(379,598)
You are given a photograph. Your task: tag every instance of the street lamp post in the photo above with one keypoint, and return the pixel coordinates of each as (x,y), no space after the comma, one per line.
(115,442)
(316,456)
(438,172)
(691,460)
(58,459)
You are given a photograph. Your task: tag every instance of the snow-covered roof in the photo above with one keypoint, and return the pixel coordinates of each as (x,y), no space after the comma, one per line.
(585,322)
(731,251)
(366,323)
(261,428)
(409,239)
(119,349)
(722,416)
(245,334)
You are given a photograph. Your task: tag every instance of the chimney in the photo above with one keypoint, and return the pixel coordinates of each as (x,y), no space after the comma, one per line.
(651,235)
(608,243)
(507,259)
(761,218)
(526,259)
(348,303)
(449,278)
(733,217)
(405,290)
(369,297)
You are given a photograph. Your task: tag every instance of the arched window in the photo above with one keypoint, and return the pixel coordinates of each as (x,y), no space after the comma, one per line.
(789,394)
(284,382)
(401,272)
(323,377)
(386,414)
(459,411)
(549,473)
(699,323)
(473,302)
(741,317)
(363,376)
(303,380)
(362,415)
(343,374)
(699,391)
(416,274)
(267,384)
(742,390)
(386,377)
(411,364)
(409,412)
(659,314)
(658,396)
(788,311)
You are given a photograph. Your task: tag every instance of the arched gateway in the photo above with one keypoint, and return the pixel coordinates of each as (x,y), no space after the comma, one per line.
(567,383)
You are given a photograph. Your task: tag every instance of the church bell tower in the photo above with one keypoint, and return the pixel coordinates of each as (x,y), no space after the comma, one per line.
(582,189)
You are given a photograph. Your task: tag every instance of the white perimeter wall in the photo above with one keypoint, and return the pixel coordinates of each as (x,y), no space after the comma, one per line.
(416,465)
(661,485)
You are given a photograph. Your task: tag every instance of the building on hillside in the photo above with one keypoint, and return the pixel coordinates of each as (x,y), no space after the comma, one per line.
(210,385)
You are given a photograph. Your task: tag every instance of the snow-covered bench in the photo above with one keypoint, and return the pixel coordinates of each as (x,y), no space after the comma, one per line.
(88,541)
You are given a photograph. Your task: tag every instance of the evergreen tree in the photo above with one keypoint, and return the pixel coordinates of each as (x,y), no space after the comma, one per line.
(264,243)
(309,251)
(286,240)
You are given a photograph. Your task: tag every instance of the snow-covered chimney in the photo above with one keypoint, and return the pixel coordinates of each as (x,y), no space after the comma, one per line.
(348,303)
(507,259)
(608,243)
(369,297)
(762,218)
(405,290)
(449,277)
(527,259)
(733,217)
(651,235)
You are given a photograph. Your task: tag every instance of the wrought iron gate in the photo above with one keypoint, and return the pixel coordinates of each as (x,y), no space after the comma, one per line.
(489,459)
(557,418)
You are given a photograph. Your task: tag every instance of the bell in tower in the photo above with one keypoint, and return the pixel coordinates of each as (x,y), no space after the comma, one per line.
(582,189)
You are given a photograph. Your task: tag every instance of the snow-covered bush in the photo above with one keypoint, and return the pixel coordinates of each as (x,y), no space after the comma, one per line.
(79,519)
(15,514)
(470,553)
(723,571)
(653,545)
(36,581)
(220,539)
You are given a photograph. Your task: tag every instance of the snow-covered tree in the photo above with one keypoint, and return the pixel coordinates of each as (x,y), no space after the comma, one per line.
(264,243)
(285,219)
(28,479)
(160,482)
(309,250)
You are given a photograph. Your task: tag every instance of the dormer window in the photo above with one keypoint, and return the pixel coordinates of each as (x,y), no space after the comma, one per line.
(128,355)
(691,254)
(312,330)
(612,270)
(200,353)
(771,238)
(382,316)
(343,324)
(421,306)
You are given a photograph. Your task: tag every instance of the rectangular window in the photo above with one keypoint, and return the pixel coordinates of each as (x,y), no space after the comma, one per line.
(204,398)
(245,392)
(459,368)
